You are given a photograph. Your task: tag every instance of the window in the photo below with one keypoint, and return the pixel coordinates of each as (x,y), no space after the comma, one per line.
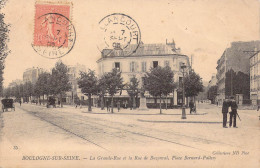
(132,66)
(117,65)
(182,63)
(155,64)
(166,63)
(143,66)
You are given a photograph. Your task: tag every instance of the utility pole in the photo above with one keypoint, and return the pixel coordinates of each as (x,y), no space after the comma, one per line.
(183,116)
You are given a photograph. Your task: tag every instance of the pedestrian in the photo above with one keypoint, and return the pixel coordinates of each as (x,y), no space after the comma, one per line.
(225,106)
(130,104)
(125,104)
(108,107)
(20,102)
(233,113)
(118,106)
(191,105)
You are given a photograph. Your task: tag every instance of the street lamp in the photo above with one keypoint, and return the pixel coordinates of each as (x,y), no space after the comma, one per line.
(183,116)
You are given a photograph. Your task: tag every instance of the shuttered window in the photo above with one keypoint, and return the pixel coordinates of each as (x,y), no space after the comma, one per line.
(132,67)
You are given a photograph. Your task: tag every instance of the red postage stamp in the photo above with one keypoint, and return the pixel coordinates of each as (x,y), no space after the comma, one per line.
(53,29)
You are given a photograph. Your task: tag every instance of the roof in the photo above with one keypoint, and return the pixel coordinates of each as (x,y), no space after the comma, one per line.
(142,49)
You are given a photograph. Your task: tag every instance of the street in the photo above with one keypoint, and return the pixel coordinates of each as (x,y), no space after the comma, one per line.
(33,130)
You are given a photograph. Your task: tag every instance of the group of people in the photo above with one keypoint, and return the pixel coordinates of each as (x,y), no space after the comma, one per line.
(233,113)
(109,106)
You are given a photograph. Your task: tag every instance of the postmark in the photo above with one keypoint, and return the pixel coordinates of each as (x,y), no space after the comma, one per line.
(119,32)
(54,33)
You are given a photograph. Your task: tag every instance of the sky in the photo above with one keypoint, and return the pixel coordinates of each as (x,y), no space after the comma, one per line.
(202,28)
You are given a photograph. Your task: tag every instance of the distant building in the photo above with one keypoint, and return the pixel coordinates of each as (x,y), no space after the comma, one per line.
(137,64)
(234,60)
(32,74)
(74,74)
(255,76)
(202,96)
(213,81)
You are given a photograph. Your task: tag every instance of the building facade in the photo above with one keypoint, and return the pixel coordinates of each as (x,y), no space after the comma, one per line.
(213,81)
(32,74)
(221,71)
(146,56)
(234,66)
(74,74)
(255,77)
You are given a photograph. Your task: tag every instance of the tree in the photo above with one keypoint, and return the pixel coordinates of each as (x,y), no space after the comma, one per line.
(59,82)
(212,93)
(159,82)
(237,83)
(88,85)
(192,84)
(7,92)
(17,91)
(21,90)
(113,83)
(27,90)
(42,86)
(4,38)
(133,90)
(102,90)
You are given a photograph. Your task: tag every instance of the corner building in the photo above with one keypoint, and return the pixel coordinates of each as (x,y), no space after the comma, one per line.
(138,63)
(233,72)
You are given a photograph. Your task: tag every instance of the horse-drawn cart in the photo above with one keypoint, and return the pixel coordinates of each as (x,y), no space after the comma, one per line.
(7,103)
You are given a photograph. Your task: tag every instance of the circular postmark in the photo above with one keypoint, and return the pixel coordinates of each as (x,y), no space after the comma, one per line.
(119,32)
(54,35)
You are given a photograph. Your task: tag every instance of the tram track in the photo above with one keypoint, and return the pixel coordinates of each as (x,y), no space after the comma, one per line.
(48,117)
(66,130)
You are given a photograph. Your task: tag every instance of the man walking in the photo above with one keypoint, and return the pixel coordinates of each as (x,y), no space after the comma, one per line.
(191,105)
(233,114)
(108,106)
(118,106)
(225,107)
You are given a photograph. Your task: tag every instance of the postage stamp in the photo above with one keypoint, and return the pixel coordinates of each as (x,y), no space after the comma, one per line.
(54,33)
(119,32)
